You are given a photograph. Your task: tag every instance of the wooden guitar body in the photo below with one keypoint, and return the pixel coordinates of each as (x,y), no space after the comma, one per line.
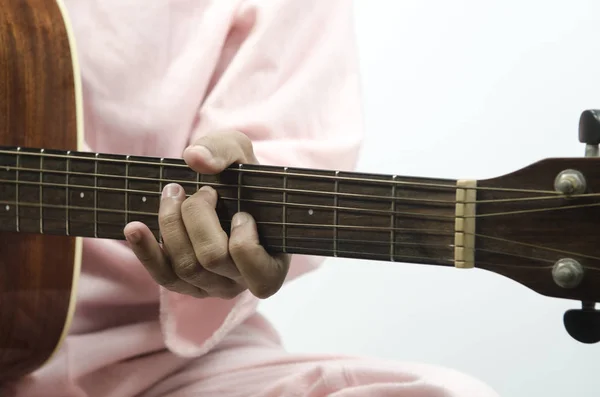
(40,107)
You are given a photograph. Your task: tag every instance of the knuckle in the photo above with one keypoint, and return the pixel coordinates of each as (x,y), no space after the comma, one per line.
(186,269)
(245,143)
(212,256)
(197,203)
(169,219)
(237,247)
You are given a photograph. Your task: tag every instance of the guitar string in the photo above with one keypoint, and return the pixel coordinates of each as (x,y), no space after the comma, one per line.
(554,196)
(167,164)
(310,206)
(448,218)
(350,241)
(386,230)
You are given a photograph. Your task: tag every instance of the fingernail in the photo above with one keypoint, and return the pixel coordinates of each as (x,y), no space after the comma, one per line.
(239,219)
(202,151)
(133,237)
(171,191)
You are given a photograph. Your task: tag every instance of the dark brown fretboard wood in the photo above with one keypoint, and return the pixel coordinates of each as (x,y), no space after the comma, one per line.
(300,211)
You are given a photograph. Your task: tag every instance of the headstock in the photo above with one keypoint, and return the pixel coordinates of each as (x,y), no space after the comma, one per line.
(540,226)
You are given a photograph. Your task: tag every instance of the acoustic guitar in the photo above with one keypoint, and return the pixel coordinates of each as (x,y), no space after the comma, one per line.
(538,226)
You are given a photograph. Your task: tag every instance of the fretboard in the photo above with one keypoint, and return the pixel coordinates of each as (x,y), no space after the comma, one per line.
(299,211)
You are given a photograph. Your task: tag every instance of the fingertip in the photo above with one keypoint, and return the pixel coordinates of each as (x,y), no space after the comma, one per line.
(240,219)
(200,159)
(172,190)
(134,232)
(208,189)
(208,194)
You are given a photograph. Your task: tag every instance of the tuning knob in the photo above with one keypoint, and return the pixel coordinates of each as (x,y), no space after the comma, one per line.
(584,324)
(589,131)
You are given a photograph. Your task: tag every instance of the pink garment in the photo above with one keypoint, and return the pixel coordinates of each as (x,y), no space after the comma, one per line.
(156,75)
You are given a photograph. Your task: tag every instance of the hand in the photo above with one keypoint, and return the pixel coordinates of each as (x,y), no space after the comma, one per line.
(197,257)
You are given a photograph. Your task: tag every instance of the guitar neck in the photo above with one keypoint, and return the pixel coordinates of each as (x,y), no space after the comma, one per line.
(300,211)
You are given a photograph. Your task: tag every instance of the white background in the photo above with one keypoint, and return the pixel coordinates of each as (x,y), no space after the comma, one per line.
(460,88)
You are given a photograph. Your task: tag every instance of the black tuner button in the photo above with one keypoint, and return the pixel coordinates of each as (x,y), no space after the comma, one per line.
(584,324)
(589,127)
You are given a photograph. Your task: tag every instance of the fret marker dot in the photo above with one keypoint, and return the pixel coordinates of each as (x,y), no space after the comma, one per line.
(144,199)
(311,212)
(82,195)
(7,207)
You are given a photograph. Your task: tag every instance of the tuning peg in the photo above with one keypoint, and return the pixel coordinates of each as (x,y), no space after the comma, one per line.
(589,131)
(584,324)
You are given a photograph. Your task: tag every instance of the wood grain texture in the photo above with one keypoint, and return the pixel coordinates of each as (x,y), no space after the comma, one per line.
(37,108)
(525,246)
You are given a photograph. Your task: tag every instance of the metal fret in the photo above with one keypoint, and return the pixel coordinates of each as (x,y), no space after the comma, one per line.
(161,187)
(41,191)
(68,232)
(392,220)
(126,214)
(239,188)
(284,210)
(96,195)
(198,180)
(17,188)
(335,214)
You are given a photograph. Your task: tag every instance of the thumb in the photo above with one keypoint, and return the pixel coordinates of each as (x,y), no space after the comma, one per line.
(264,274)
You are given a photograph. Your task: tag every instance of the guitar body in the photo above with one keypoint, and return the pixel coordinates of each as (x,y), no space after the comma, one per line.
(40,106)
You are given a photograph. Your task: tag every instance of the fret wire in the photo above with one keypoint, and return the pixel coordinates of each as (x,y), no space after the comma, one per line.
(127,190)
(393,221)
(96,195)
(300,205)
(67,223)
(41,192)
(17,188)
(284,209)
(239,190)
(198,181)
(160,189)
(335,214)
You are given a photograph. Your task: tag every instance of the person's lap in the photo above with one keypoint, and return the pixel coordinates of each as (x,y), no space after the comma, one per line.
(252,363)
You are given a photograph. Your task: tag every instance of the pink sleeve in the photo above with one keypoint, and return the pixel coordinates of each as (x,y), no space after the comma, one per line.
(288,77)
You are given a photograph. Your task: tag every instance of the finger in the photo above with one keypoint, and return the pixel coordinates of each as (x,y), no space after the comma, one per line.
(213,153)
(149,253)
(264,274)
(178,247)
(209,240)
